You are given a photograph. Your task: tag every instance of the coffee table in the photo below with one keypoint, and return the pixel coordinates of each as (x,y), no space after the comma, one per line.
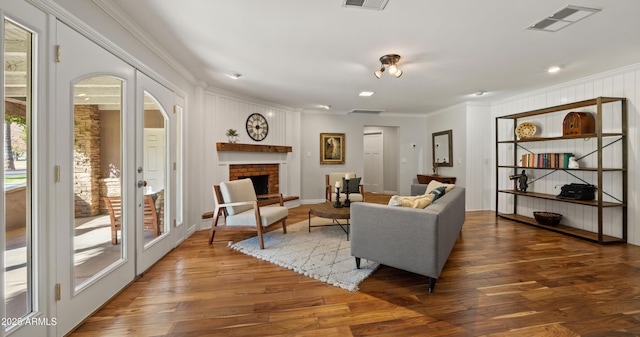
(326,210)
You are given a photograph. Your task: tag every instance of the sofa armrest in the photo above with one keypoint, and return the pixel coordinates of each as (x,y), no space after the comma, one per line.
(418,189)
(400,237)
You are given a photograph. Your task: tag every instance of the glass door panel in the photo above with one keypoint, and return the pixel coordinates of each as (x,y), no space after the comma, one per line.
(97,167)
(155,169)
(19,265)
(155,156)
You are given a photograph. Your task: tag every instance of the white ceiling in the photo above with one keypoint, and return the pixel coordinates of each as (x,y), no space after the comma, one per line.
(316,52)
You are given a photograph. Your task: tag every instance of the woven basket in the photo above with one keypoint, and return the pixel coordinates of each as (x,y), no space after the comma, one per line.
(547,218)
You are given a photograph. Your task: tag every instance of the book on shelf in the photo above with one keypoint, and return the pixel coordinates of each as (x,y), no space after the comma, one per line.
(546,160)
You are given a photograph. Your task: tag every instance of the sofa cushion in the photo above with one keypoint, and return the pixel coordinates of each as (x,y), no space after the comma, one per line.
(438,192)
(418,201)
(435,184)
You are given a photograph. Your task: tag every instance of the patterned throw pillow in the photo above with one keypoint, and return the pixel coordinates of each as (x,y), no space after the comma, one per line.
(354,185)
(433,184)
(418,201)
(438,192)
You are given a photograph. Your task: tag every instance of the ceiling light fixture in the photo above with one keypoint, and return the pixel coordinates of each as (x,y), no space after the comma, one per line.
(366,93)
(234,76)
(324,106)
(389,63)
(480,93)
(554,69)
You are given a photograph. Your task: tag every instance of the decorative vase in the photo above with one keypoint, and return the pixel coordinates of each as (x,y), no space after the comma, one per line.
(233,139)
(573,163)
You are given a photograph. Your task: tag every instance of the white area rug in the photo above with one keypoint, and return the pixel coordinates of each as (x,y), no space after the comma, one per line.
(324,254)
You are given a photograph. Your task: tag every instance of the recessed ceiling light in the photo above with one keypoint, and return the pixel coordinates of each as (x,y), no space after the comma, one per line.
(323,106)
(366,93)
(554,69)
(234,76)
(480,93)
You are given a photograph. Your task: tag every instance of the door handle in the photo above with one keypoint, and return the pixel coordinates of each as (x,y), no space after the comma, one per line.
(142,183)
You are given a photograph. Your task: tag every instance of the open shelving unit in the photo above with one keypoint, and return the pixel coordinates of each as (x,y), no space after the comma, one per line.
(599,170)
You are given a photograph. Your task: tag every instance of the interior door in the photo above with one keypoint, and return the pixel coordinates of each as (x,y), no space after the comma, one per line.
(96,193)
(373,163)
(155,158)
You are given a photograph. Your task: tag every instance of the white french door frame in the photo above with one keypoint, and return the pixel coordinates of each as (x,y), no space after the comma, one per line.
(35,21)
(83,59)
(147,255)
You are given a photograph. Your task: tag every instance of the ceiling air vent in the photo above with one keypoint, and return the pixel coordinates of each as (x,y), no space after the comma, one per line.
(563,18)
(367,4)
(366,111)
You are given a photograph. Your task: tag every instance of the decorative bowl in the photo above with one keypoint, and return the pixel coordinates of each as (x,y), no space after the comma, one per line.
(547,218)
(526,130)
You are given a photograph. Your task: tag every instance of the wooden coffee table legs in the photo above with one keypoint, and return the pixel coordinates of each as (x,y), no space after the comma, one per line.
(345,226)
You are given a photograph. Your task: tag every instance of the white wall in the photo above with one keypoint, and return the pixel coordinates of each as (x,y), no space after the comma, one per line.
(479,191)
(453,118)
(410,129)
(624,82)
(224,111)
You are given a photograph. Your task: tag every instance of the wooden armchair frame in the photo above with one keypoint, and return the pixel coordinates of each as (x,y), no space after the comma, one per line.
(221,209)
(330,190)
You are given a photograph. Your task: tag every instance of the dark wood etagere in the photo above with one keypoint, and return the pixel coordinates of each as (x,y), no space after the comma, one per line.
(599,135)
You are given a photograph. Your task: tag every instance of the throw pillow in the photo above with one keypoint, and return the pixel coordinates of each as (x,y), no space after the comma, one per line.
(438,192)
(354,185)
(433,184)
(419,201)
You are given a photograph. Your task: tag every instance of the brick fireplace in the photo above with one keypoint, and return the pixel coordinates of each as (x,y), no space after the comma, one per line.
(249,170)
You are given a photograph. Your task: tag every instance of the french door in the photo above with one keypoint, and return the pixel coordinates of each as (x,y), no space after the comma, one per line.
(96,197)
(23,219)
(116,149)
(155,157)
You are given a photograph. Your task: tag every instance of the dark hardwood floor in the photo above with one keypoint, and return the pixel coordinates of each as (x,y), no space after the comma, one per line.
(502,279)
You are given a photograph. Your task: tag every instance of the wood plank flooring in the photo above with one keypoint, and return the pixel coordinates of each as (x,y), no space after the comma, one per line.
(502,279)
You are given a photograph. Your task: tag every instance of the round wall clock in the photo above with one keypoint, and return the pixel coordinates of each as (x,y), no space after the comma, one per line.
(257,127)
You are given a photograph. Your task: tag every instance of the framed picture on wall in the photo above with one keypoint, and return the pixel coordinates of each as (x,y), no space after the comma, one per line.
(332,148)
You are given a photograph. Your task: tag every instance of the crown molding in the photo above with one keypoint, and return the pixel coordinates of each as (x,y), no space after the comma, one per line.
(125,21)
(60,13)
(216,91)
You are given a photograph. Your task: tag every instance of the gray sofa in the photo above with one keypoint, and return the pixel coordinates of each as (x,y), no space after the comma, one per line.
(415,240)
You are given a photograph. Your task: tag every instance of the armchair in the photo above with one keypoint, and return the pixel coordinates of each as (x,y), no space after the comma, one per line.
(355,194)
(238,203)
(150,217)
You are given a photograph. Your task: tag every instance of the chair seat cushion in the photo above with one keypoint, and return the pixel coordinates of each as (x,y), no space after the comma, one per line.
(269,215)
(354,197)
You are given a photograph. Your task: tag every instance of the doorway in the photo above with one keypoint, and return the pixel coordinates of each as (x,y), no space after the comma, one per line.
(380,159)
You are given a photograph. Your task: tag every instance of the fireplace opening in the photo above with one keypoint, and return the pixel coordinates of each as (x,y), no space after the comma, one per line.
(260,183)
